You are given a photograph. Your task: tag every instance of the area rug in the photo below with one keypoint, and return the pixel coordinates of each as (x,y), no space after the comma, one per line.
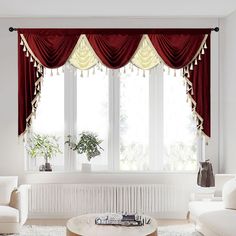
(173,230)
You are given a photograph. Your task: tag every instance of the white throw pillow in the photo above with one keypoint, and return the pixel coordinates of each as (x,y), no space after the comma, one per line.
(7,185)
(229,194)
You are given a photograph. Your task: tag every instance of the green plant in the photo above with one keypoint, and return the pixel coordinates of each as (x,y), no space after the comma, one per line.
(42,146)
(88,143)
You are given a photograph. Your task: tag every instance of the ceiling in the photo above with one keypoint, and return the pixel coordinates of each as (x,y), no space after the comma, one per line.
(111,8)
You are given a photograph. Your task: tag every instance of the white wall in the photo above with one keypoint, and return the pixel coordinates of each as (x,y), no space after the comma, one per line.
(228,94)
(11,155)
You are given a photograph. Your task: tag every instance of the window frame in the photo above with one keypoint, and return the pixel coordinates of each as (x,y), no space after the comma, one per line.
(156,131)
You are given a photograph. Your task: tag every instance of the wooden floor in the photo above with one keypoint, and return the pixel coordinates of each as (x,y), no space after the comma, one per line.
(62,222)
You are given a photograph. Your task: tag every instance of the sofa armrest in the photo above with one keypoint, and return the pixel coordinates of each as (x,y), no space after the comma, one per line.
(19,200)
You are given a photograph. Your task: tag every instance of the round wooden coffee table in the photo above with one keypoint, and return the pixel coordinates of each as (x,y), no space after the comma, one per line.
(84,225)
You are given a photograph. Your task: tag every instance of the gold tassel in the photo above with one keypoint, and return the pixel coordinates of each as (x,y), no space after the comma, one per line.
(205,46)
(203,52)
(195,63)
(191,66)
(199,57)
(27,54)
(35,64)
(21,42)
(188,75)
(98,65)
(31,59)
(168,70)
(24,48)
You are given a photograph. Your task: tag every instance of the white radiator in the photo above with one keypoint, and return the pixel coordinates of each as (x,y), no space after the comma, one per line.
(66,200)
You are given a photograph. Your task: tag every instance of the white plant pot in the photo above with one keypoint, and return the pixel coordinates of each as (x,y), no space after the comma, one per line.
(86,167)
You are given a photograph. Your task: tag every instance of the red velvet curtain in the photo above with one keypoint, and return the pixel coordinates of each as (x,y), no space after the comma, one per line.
(201,84)
(26,87)
(177,51)
(115,48)
(52,48)
(114,51)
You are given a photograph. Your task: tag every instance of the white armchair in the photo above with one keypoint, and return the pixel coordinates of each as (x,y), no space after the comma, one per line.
(13,205)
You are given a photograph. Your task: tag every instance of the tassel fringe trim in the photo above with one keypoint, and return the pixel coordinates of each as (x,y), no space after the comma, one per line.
(38,83)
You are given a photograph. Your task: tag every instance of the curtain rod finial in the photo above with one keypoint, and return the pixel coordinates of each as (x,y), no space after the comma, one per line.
(11,29)
(216,29)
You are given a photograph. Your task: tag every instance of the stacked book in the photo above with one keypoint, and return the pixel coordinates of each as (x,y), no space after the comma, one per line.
(122,219)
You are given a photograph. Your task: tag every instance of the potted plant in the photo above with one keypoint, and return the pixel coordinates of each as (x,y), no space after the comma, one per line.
(40,145)
(88,144)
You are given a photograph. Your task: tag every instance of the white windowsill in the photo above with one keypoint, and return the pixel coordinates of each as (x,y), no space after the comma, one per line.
(76,177)
(110,172)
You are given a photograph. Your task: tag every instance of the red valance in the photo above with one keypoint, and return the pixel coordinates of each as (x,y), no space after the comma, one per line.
(114,51)
(176,50)
(51,48)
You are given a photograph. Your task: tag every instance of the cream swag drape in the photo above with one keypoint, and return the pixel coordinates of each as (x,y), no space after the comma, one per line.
(83,56)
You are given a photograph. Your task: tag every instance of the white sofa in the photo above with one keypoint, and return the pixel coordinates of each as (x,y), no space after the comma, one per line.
(13,205)
(210,216)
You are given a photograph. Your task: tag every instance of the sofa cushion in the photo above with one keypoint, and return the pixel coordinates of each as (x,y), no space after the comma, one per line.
(8,215)
(221,222)
(7,185)
(197,208)
(229,194)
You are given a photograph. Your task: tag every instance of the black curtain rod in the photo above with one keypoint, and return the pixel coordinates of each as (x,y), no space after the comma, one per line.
(216,29)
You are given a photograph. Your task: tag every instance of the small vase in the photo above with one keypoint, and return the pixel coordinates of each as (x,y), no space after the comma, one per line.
(48,166)
(86,167)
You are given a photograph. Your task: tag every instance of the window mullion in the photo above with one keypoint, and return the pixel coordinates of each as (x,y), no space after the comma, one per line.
(70,114)
(201,148)
(156,120)
(114,118)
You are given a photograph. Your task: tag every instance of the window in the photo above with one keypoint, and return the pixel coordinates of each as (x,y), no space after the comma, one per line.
(134,121)
(141,116)
(92,112)
(50,114)
(180,139)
